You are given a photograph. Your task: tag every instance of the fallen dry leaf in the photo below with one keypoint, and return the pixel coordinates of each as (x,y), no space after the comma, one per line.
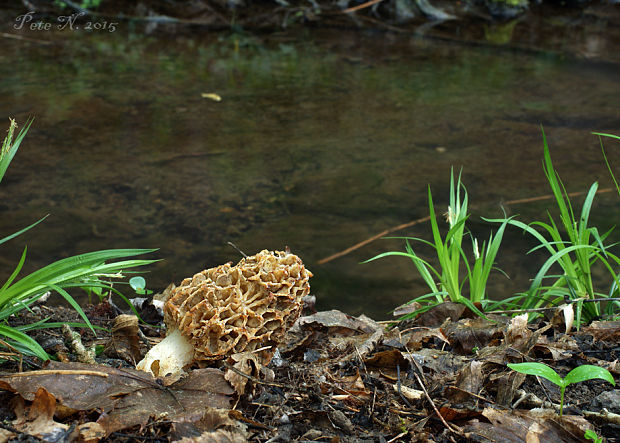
(37,419)
(124,342)
(603,330)
(219,436)
(469,380)
(527,426)
(127,397)
(417,338)
(467,334)
(338,322)
(437,315)
(246,363)
(517,332)
(213,425)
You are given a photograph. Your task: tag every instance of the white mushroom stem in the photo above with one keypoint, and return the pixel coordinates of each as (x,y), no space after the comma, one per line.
(168,357)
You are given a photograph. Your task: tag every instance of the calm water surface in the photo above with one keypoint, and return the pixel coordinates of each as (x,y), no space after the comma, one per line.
(320,141)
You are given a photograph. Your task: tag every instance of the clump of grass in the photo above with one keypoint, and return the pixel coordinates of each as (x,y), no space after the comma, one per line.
(612,136)
(91,271)
(446,282)
(575,247)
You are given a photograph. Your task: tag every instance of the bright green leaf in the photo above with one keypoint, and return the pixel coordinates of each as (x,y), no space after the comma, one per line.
(137,283)
(588,372)
(539,370)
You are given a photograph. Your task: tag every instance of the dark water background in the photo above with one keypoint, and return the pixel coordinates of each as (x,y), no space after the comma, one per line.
(322,139)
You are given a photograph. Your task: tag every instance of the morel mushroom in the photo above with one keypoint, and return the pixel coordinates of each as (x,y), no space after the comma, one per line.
(230,309)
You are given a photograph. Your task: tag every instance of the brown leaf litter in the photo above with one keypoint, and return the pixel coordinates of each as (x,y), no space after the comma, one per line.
(335,378)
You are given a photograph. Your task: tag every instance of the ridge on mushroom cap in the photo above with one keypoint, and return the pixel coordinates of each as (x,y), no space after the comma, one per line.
(230,309)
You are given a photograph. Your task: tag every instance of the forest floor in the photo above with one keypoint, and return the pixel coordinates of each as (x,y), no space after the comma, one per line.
(440,378)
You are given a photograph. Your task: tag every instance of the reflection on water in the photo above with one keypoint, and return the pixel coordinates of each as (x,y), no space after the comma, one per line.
(318,143)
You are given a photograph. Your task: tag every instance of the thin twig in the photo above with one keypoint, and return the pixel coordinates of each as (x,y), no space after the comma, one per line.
(56,372)
(27,39)
(254,379)
(362,6)
(445,423)
(237,249)
(398,387)
(373,238)
(423,219)
(582,300)
(549,196)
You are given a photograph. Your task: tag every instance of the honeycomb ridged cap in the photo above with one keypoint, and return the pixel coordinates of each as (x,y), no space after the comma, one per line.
(230,309)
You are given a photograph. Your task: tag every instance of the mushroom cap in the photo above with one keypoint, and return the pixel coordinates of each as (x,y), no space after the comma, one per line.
(230,309)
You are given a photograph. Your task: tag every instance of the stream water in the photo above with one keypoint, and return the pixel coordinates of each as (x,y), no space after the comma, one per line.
(321,140)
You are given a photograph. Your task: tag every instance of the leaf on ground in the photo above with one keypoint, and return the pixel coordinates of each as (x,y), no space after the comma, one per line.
(560,349)
(349,388)
(124,342)
(441,363)
(219,436)
(467,334)
(453,413)
(127,397)
(405,309)
(507,384)
(213,426)
(517,333)
(341,336)
(531,426)
(245,363)
(387,359)
(603,331)
(339,322)
(37,419)
(418,338)
(469,380)
(437,315)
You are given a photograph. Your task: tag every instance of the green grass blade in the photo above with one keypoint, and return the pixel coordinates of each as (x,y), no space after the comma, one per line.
(71,269)
(585,210)
(5,239)
(15,272)
(387,254)
(434,227)
(613,177)
(566,212)
(473,308)
(9,148)
(74,304)
(527,228)
(554,258)
(607,135)
(23,343)
(423,268)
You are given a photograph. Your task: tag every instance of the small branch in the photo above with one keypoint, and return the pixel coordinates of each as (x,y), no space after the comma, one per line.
(362,6)
(57,372)
(445,423)
(373,238)
(27,39)
(586,300)
(423,219)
